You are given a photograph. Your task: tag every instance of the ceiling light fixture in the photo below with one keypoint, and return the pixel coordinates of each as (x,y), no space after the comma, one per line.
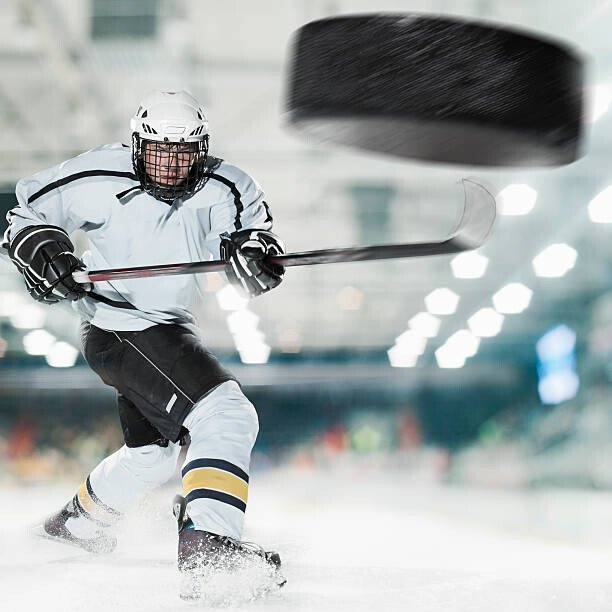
(555,260)
(600,207)
(470,264)
(486,323)
(425,325)
(62,355)
(512,298)
(517,199)
(465,342)
(442,301)
(449,357)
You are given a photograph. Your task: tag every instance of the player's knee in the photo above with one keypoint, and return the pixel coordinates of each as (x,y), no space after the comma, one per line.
(242,413)
(226,403)
(152,464)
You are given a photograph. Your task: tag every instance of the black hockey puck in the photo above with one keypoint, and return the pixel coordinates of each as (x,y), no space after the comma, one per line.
(437,89)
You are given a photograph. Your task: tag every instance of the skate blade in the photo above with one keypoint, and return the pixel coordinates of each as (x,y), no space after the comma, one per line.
(39,531)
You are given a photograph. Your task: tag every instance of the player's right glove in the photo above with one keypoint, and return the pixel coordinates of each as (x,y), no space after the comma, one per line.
(45,256)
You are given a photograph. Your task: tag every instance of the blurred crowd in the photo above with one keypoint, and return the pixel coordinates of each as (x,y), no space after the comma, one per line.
(569,445)
(33,450)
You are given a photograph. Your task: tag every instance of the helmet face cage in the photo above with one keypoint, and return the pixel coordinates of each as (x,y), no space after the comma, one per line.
(169,170)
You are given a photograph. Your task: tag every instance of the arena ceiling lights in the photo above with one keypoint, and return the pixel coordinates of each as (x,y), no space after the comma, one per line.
(486,323)
(29,316)
(442,301)
(402,357)
(516,199)
(425,324)
(38,342)
(62,355)
(512,298)
(242,323)
(249,340)
(229,299)
(464,341)
(449,356)
(555,260)
(600,207)
(470,264)
(407,348)
(11,302)
(412,342)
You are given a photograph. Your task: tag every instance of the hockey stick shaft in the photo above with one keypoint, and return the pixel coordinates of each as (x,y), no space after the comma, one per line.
(306,258)
(479,213)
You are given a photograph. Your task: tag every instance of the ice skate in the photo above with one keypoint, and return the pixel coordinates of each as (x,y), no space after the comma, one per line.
(54,527)
(203,556)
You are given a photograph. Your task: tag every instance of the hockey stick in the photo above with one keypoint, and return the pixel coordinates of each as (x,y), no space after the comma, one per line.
(476,220)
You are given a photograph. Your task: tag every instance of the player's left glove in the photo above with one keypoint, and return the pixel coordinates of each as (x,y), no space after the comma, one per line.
(246,252)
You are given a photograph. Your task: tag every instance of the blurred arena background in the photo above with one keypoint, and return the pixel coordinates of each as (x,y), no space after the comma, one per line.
(491,369)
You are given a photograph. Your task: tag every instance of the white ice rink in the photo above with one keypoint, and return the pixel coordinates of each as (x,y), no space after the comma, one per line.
(353,539)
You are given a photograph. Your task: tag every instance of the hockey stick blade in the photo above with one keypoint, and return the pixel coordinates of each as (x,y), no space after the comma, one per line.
(476,221)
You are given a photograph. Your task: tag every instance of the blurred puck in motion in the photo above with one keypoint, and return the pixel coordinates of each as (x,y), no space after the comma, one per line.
(437,89)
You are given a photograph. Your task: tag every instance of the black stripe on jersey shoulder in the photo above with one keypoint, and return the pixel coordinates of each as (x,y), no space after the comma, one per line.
(75,177)
(220,464)
(235,193)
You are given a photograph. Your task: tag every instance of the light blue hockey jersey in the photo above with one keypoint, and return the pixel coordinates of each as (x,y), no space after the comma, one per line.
(97,193)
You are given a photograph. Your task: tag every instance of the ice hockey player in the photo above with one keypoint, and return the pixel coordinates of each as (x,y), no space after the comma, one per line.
(163,199)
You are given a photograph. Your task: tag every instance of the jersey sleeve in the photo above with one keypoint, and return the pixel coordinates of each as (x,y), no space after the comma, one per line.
(244,208)
(39,203)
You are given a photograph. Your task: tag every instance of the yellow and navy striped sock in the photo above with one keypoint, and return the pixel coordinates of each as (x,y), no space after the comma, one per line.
(216,479)
(89,505)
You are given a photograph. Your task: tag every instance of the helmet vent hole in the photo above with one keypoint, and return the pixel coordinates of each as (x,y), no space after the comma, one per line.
(147,128)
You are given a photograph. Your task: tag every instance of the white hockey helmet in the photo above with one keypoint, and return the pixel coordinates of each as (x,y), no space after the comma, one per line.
(164,119)
(170,116)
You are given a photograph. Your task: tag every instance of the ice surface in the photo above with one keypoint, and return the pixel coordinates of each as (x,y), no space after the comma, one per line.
(351,540)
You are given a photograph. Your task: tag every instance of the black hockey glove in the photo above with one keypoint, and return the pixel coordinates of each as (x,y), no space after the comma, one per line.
(248,269)
(44,255)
